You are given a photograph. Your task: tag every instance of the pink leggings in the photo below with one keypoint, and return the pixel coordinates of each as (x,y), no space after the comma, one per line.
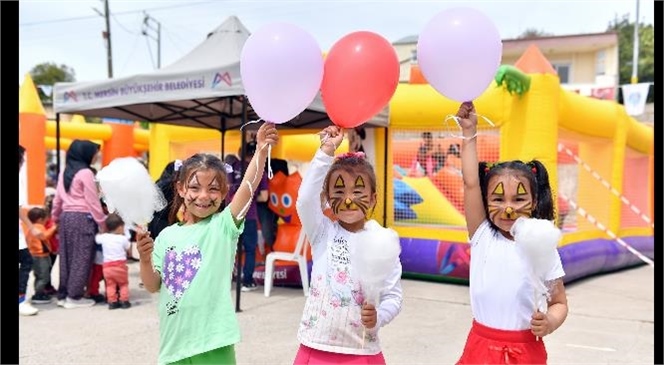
(116,275)
(307,355)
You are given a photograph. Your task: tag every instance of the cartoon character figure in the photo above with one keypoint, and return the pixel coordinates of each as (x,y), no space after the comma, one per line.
(283,195)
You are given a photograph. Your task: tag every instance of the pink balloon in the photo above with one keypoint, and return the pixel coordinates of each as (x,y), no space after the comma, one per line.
(282,69)
(459,52)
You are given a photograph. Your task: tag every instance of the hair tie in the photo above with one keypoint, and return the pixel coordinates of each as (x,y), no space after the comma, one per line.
(534,169)
(176,165)
(228,168)
(358,154)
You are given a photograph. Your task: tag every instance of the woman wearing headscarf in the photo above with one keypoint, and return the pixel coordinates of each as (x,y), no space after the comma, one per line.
(79,215)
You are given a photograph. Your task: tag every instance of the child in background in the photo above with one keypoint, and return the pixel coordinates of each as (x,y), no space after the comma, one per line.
(331,330)
(506,326)
(40,250)
(54,241)
(190,263)
(115,245)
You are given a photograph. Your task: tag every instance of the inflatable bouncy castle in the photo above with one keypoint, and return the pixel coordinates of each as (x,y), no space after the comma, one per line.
(599,159)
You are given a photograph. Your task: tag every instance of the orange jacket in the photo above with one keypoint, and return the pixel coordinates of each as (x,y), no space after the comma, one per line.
(35,245)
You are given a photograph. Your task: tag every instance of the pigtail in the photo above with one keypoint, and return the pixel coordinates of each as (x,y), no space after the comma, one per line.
(544,208)
(483,172)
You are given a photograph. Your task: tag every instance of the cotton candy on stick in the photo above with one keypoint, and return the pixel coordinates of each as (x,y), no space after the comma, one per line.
(375,252)
(128,190)
(537,242)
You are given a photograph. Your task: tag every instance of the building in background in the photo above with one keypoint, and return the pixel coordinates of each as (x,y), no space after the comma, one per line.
(586,63)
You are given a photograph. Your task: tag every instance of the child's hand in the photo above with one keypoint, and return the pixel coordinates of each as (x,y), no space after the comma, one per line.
(467,117)
(144,245)
(369,315)
(539,324)
(37,233)
(330,138)
(267,134)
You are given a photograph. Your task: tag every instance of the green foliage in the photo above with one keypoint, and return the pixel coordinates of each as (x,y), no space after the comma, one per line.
(646,67)
(49,73)
(533,33)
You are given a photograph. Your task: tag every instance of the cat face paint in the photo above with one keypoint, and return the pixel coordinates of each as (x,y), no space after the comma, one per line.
(349,196)
(509,198)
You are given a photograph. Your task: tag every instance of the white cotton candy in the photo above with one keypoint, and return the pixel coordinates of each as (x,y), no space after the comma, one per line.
(375,251)
(537,242)
(128,190)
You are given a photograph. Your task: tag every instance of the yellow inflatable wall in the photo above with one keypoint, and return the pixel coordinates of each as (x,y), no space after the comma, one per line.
(529,128)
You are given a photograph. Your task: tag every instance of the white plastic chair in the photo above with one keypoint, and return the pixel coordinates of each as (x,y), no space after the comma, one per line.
(298,255)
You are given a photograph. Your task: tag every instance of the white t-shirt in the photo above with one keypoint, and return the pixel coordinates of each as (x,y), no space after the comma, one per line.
(114,246)
(22,201)
(501,296)
(331,318)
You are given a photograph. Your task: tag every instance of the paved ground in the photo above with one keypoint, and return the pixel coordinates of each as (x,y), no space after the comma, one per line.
(610,322)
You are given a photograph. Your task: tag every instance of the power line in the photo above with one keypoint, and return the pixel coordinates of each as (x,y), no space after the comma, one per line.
(123,27)
(43,22)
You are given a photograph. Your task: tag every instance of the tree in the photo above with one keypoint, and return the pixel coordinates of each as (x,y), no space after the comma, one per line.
(533,33)
(49,73)
(646,66)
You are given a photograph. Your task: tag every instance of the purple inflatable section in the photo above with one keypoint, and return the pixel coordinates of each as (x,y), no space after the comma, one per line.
(596,256)
(451,260)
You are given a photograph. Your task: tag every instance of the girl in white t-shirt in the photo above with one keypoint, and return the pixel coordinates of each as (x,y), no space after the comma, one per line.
(506,326)
(338,325)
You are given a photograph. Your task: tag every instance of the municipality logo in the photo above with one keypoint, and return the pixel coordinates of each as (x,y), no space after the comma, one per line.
(71,95)
(218,78)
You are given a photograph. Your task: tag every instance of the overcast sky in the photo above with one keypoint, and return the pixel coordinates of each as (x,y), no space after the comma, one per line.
(70,32)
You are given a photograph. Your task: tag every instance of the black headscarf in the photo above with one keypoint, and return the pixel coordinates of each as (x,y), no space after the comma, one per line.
(79,157)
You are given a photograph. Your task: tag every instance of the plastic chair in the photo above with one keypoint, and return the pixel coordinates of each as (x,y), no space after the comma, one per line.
(298,255)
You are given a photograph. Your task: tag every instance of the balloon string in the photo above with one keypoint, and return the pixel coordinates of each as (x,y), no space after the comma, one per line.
(269,162)
(250,184)
(250,122)
(456,120)
(324,137)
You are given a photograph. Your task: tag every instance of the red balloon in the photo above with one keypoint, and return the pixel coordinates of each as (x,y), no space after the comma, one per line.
(360,76)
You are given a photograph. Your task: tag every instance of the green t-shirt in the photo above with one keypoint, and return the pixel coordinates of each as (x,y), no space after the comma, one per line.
(196,313)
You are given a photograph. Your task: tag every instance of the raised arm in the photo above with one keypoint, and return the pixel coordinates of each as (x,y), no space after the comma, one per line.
(267,135)
(308,197)
(473,204)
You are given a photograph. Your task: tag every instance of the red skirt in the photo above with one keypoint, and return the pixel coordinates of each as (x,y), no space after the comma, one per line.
(486,345)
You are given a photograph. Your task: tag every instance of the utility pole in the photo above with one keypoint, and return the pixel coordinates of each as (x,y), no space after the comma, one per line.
(635,56)
(107,36)
(150,23)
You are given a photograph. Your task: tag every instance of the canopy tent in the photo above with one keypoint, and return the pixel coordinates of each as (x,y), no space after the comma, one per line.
(202,89)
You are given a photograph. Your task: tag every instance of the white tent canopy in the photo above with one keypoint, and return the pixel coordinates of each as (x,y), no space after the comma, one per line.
(202,89)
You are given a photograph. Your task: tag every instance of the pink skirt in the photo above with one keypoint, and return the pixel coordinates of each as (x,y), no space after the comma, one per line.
(307,355)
